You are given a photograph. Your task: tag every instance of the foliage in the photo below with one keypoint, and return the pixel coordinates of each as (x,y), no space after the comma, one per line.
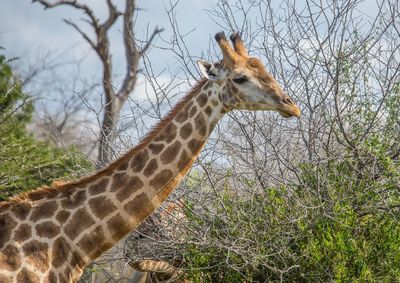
(14,104)
(26,163)
(347,234)
(354,235)
(338,218)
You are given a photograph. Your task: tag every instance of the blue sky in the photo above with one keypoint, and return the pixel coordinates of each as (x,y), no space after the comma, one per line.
(26,29)
(29,32)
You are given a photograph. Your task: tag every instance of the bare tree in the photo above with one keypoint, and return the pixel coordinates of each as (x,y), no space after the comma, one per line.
(342,65)
(114,98)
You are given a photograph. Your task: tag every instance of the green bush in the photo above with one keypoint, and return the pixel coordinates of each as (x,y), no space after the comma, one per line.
(340,224)
(26,163)
(354,236)
(337,219)
(346,235)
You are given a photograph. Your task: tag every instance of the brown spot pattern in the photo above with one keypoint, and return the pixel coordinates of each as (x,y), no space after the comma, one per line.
(188,105)
(74,200)
(183,160)
(194,145)
(20,210)
(51,277)
(213,123)
(7,224)
(201,126)
(62,278)
(208,110)
(182,116)
(47,229)
(170,153)
(25,276)
(37,254)
(60,252)
(23,233)
(99,187)
(9,258)
(139,161)
(161,179)
(136,204)
(150,168)
(68,274)
(80,221)
(130,188)
(5,279)
(76,260)
(119,179)
(202,99)
(186,130)
(44,210)
(62,216)
(193,111)
(123,166)
(4,207)
(140,207)
(168,134)
(233,89)
(156,148)
(118,227)
(101,206)
(94,243)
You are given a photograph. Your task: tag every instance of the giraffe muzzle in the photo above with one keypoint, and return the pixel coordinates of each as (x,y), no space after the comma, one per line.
(287,108)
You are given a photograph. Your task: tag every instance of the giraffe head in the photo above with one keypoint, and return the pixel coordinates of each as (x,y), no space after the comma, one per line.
(246,83)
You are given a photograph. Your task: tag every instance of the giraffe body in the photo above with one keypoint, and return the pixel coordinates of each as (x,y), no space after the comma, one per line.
(53,233)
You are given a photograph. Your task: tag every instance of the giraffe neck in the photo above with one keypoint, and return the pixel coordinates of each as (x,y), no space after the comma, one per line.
(144,178)
(54,233)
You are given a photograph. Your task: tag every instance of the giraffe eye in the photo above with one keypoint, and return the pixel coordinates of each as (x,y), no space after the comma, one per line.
(241,80)
(212,73)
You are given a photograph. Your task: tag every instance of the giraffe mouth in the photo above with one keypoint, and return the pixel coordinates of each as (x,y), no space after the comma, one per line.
(287,108)
(290,111)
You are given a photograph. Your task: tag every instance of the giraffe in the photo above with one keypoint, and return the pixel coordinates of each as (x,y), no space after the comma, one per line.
(165,225)
(132,260)
(51,234)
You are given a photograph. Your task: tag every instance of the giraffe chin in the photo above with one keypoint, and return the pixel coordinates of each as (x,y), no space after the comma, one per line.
(295,112)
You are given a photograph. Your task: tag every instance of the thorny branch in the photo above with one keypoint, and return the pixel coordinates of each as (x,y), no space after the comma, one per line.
(114,98)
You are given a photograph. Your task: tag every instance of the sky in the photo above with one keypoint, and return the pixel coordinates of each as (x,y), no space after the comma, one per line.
(32,34)
(26,28)
(35,35)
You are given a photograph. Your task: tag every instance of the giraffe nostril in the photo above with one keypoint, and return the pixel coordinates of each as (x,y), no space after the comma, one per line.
(288,101)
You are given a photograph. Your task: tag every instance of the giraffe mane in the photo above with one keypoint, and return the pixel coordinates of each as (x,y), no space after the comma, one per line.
(64,187)
(161,124)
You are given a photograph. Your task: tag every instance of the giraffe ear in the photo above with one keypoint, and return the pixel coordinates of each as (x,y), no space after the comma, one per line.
(207,70)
